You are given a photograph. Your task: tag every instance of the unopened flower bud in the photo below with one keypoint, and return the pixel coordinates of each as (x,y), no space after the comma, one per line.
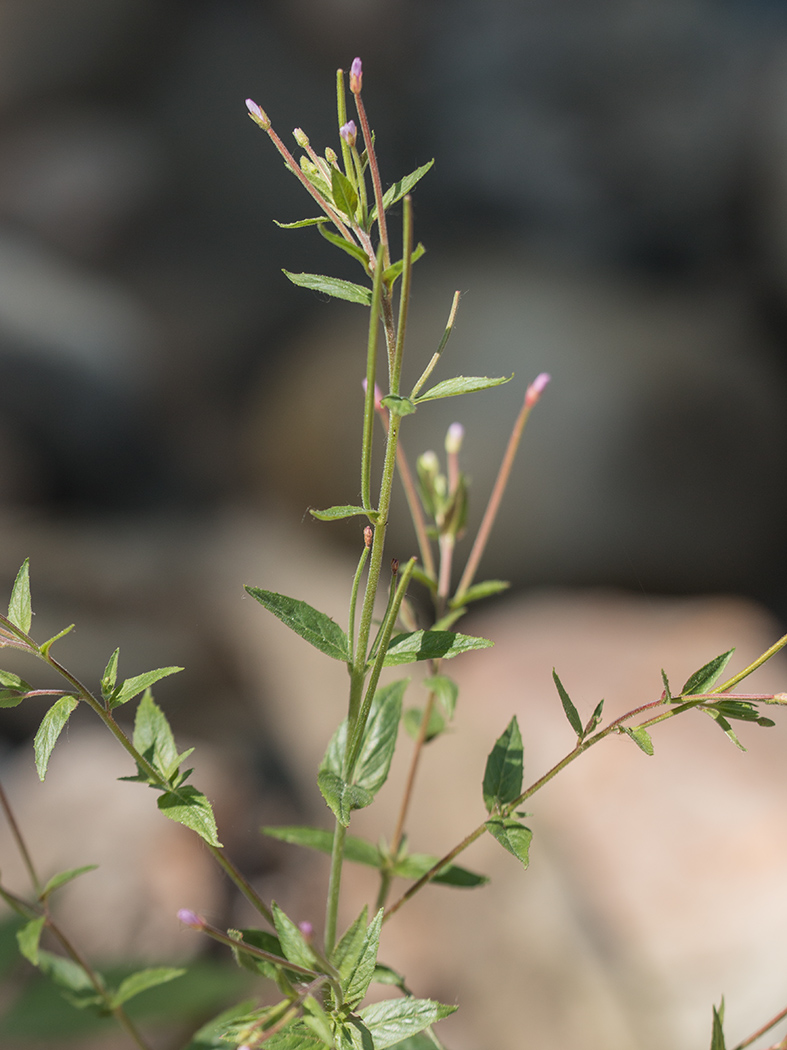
(536,389)
(394,566)
(428,463)
(368,535)
(307,930)
(453,439)
(300,137)
(330,155)
(356,76)
(259,116)
(190,918)
(349,132)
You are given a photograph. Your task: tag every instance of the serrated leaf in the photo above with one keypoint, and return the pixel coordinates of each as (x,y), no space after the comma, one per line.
(641,738)
(415,865)
(312,625)
(20,609)
(512,836)
(413,718)
(293,943)
(341,797)
(379,741)
(354,250)
(346,511)
(355,849)
(139,683)
(395,269)
(446,691)
(398,405)
(301,222)
(361,976)
(594,719)
(665,680)
(153,737)
(315,1017)
(485,589)
(402,187)
(395,1019)
(62,878)
(571,712)
(110,675)
(461,385)
(12,689)
(142,980)
(347,952)
(50,729)
(352,293)
(28,938)
(344,194)
(430,645)
(189,807)
(294,1037)
(504,768)
(702,681)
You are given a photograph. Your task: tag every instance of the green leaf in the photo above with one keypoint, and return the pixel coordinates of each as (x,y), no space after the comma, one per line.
(256,939)
(386,975)
(69,975)
(395,1019)
(641,738)
(139,683)
(315,627)
(188,806)
(415,865)
(355,849)
(395,269)
(50,729)
(702,681)
(344,195)
(61,879)
(430,645)
(571,712)
(361,976)
(315,1017)
(28,938)
(479,590)
(20,609)
(461,385)
(109,677)
(511,835)
(294,1037)
(665,680)
(726,727)
(153,737)
(347,952)
(142,980)
(397,405)
(717,1038)
(350,1033)
(413,718)
(335,513)
(13,689)
(342,798)
(379,741)
(594,719)
(504,768)
(403,186)
(446,690)
(350,247)
(353,293)
(422,1041)
(445,623)
(293,943)
(56,638)
(301,222)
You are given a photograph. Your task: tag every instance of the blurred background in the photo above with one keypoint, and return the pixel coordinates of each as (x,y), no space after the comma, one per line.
(609,194)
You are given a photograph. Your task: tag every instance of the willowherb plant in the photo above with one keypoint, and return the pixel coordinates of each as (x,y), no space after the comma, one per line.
(323,981)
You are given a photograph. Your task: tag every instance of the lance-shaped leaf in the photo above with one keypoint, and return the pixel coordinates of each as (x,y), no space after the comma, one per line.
(717,1036)
(702,681)
(188,806)
(414,865)
(379,740)
(139,683)
(511,835)
(70,976)
(726,727)
(594,719)
(345,511)
(12,689)
(20,609)
(571,712)
(460,385)
(347,952)
(296,1036)
(28,938)
(399,189)
(299,223)
(430,645)
(355,849)
(352,293)
(342,798)
(141,981)
(504,768)
(361,975)
(50,729)
(395,269)
(740,709)
(344,196)
(153,738)
(641,738)
(350,247)
(393,1020)
(315,627)
(47,645)
(667,691)
(110,675)
(293,943)
(62,878)
(485,589)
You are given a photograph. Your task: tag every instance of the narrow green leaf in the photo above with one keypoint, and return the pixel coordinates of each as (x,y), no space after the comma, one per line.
(717,1037)
(142,980)
(257,939)
(352,293)
(361,976)
(379,742)
(68,975)
(139,683)
(430,645)
(315,627)
(50,729)
(485,589)
(702,681)
(461,385)
(511,835)
(395,1019)
(209,1036)
(355,849)
(12,689)
(641,738)
(354,250)
(153,737)
(341,797)
(504,768)
(571,712)
(446,690)
(293,943)
(445,623)
(335,513)
(301,222)
(351,1033)
(397,405)
(110,675)
(594,719)
(403,186)
(395,269)
(62,878)
(188,806)
(386,975)
(316,1018)
(413,718)
(347,952)
(665,680)
(28,938)
(415,865)
(344,195)
(294,1037)
(20,609)
(47,645)
(726,727)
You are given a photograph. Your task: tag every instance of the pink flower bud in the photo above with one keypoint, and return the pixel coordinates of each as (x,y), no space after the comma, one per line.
(307,930)
(349,132)
(536,389)
(368,535)
(301,137)
(356,76)
(259,116)
(454,438)
(190,918)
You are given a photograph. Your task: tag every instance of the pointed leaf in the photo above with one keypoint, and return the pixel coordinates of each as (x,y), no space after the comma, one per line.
(315,627)
(62,878)
(153,736)
(511,835)
(347,952)
(50,729)
(415,865)
(379,742)
(56,638)
(141,981)
(395,1019)
(702,681)
(594,719)
(395,269)
(294,1037)
(461,385)
(335,513)
(12,689)
(301,222)
(350,247)
(352,293)
(641,738)
(267,942)
(344,195)
(28,938)
(68,975)
(504,768)
(188,806)
(109,678)
(20,609)
(717,1037)
(446,690)
(342,798)
(430,645)
(293,943)
(665,680)
(571,712)
(403,186)
(361,975)
(726,727)
(479,590)
(139,683)
(355,849)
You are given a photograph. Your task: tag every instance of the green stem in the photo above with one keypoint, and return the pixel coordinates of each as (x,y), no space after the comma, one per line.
(377,185)
(436,356)
(353,599)
(369,397)
(725,686)
(404,294)
(334,886)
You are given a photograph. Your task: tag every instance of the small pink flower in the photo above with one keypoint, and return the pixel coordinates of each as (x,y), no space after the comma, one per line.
(454,438)
(356,76)
(307,930)
(258,115)
(536,388)
(190,918)
(349,132)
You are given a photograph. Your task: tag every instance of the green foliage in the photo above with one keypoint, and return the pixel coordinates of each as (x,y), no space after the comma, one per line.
(717,1036)
(571,712)
(333,286)
(460,385)
(187,806)
(336,513)
(395,1019)
(512,836)
(12,689)
(430,645)
(486,589)
(28,938)
(20,608)
(702,681)
(504,769)
(142,981)
(315,627)
(132,687)
(446,690)
(62,878)
(640,736)
(50,729)
(413,720)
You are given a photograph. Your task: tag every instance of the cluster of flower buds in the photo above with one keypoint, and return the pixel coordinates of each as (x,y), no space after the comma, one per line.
(444,496)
